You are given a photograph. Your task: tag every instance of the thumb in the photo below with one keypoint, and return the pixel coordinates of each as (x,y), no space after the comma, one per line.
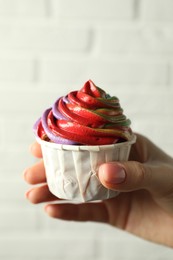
(126,176)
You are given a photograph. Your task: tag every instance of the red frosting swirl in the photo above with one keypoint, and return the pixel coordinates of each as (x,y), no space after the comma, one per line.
(88,116)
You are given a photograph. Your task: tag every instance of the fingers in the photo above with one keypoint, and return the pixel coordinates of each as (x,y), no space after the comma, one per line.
(124,177)
(78,212)
(35,149)
(130,176)
(40,194)
(35,174)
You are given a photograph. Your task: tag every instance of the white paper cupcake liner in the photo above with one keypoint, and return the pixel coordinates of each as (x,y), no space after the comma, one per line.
(71,170)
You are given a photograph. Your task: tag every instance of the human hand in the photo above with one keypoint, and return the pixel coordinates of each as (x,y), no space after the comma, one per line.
(144,206)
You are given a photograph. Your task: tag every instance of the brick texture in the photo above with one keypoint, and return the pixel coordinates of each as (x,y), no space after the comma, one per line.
(121,71)
(45,38)
(23,8)
(49,47)
(157,10)
(93,9)
(136,38)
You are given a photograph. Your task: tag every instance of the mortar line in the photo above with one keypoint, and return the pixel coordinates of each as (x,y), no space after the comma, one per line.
(136,6)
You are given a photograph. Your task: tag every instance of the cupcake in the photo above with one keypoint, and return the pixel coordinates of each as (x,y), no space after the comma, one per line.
(81,131)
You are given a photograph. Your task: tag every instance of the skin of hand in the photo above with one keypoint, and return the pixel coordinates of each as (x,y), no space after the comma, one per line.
(144,206)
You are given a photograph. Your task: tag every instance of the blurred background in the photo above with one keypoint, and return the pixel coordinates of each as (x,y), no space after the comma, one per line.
(49,47)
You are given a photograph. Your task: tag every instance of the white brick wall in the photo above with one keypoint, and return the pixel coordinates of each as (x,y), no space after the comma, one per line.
(48,47)
(157,10)
(23,8)
(95,10)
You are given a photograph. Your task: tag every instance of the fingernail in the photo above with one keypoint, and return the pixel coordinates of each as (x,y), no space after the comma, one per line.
(24,174)
(47,208)
(112,173)
(27,194)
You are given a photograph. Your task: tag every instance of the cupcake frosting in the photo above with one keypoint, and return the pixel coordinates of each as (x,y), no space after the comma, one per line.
(86,117)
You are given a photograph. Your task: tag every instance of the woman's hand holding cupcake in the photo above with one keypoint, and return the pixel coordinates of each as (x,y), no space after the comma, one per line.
(91,117)
(144,206)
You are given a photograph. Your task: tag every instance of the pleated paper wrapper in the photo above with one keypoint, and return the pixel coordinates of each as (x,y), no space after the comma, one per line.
(71,170)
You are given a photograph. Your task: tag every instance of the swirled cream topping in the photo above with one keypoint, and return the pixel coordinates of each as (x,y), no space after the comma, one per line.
(86,117)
